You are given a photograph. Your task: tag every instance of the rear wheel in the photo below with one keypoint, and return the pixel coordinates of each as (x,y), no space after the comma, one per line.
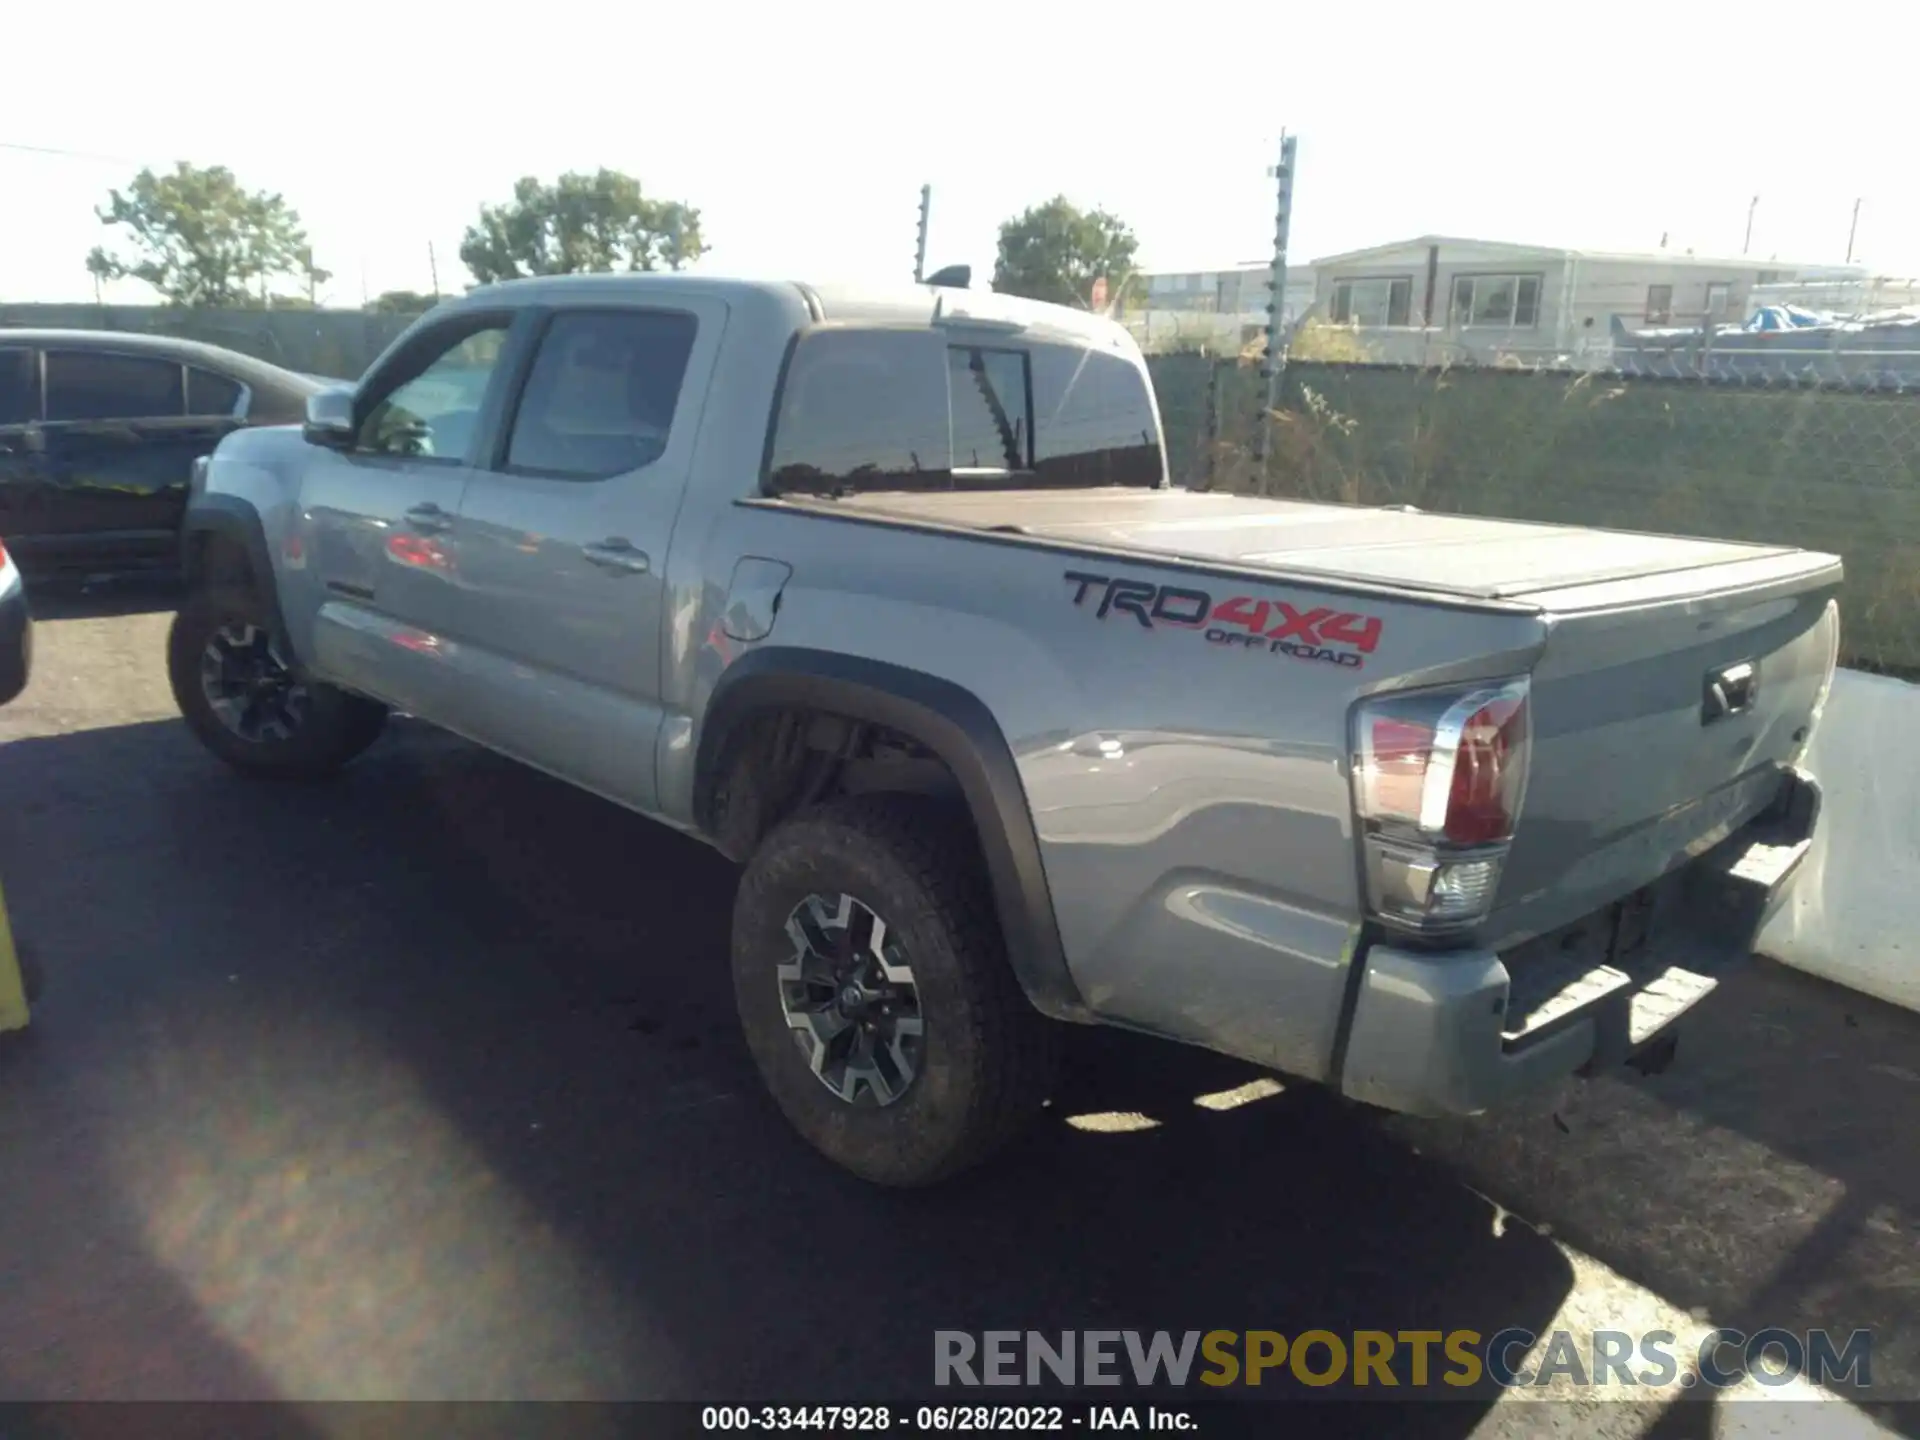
(873,986)
(245,701)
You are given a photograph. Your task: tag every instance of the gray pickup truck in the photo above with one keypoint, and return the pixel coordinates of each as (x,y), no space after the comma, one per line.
(884,593)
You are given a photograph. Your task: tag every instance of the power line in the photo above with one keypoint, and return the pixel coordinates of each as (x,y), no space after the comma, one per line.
(62,154)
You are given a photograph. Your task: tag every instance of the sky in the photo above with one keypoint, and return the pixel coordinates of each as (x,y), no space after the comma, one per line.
(803,132)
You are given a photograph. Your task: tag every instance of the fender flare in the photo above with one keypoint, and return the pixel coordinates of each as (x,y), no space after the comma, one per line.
(953,724)
(232,519)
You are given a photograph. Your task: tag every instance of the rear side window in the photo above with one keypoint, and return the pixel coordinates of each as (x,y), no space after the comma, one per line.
(910,410)
(19,386)
(863,410)
(87,386)
(211,394)
(600,398)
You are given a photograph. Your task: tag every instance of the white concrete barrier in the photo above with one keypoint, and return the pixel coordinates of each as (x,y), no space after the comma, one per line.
(1854,915)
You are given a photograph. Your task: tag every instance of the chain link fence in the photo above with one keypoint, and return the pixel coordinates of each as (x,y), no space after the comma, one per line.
(338,344)
(1831,467)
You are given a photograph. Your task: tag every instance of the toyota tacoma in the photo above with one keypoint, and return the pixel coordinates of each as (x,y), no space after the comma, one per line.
(885,594)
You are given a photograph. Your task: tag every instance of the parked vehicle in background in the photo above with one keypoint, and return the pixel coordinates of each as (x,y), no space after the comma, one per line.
(883,592)
(16,630)
(98,434)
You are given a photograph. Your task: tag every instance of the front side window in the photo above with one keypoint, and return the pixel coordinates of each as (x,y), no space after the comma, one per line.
(1502,302)
(1384,301)
(19,386)
(87,385)
(601,396)
(1659,304)
(912,410)
(431,414)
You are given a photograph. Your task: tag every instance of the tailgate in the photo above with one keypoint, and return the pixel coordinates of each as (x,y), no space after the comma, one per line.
(1663,710)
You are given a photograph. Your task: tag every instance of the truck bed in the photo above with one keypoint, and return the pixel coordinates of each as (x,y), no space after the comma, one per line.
(1634,769)
(1453,555)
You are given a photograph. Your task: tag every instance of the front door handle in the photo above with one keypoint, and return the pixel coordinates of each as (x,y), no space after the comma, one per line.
(616,553)
(429,518)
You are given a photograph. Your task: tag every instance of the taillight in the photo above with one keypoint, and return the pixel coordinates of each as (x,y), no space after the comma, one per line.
(1438,781)
(1829,661)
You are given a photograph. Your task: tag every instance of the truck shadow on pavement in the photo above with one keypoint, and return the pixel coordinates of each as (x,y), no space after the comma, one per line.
(80,597)
(425,1083)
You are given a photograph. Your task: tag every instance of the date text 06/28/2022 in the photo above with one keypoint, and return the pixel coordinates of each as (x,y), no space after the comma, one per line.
(945,1419)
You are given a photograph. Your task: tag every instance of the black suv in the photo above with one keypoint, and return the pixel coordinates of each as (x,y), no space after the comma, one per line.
(98,434)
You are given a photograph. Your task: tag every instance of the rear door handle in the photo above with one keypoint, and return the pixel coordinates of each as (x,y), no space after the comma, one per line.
(429,518)
(616,553)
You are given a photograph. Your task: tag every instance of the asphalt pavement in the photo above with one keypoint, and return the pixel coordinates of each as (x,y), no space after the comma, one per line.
(423,1082)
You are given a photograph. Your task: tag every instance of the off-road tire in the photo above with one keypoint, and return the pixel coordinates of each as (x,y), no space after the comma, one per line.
(337,725)
(988,1058)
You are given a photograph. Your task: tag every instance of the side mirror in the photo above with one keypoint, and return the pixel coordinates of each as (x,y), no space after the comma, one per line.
(330,420)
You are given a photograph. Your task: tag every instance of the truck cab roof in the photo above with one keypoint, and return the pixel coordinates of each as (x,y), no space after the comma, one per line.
(879,303)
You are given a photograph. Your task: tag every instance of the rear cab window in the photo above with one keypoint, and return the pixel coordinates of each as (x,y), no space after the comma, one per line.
(915,409)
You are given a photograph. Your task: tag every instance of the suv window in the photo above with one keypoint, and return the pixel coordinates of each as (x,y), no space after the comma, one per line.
(86,385)
(888,410)
(600,397)
(19,386)
(211,394)
(431,413)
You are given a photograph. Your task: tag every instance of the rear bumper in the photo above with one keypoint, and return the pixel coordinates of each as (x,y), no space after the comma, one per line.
(1462,1031)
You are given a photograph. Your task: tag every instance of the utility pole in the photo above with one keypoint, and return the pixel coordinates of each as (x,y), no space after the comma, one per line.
(1747,244)
(1275,359)
(1852,231)
(433,269)
(920,249)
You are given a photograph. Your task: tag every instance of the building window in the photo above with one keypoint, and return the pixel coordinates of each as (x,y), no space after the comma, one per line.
(1503,302)
(1719,292)
(1659,304)
(1384,301)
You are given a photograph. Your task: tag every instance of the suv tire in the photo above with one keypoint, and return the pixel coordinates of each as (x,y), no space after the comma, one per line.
(981,1060)
(275,723)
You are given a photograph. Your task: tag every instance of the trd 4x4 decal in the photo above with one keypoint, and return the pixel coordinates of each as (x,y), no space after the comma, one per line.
(1335,637)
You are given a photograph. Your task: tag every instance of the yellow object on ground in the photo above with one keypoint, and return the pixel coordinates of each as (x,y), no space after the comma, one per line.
(13,987)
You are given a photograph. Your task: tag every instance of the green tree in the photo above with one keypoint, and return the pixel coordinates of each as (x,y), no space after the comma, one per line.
(401,302)
(200,239)
(1056,251)
(581,222)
